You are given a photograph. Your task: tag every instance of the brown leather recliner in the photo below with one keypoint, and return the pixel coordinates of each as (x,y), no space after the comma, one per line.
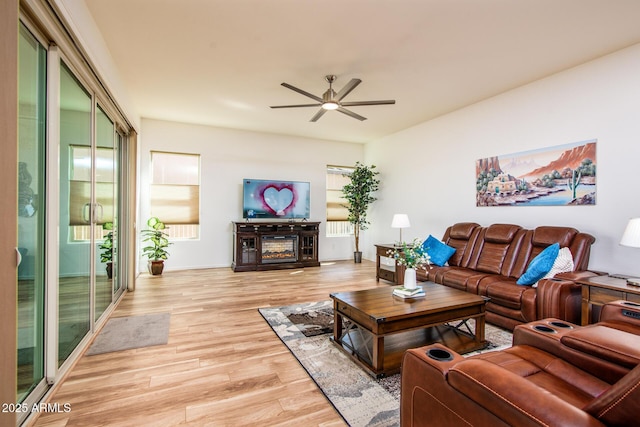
(549,377)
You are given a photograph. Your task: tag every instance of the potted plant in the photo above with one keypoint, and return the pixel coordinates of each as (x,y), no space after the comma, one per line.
(359,195)
(107,248)
(158,240)
(412,256)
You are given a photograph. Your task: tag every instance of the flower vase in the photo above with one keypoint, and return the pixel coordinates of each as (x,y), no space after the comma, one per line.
(410,278)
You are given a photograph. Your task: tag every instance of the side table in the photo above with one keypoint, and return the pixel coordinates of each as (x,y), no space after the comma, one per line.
(393,273)
(599,290)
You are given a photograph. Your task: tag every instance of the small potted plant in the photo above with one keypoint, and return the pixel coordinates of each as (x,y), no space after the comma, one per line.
(158,240)
(412,256)
(359,194)
(107,248)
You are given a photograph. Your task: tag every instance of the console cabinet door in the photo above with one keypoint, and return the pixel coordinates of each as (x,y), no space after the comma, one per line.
(247,249)
(308,246)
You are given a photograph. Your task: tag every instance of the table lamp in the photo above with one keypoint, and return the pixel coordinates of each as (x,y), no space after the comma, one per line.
(631,238)
(400,221)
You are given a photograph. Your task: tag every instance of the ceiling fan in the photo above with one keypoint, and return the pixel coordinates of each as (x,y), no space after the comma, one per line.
(333,101)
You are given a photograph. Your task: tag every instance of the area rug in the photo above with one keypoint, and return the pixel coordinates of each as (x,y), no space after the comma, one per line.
(360,399)
(124,333)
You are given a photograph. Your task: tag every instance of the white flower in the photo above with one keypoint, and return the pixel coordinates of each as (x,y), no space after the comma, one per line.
(412,255)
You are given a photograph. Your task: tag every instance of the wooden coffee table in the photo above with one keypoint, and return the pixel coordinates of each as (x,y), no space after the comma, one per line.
(375,327)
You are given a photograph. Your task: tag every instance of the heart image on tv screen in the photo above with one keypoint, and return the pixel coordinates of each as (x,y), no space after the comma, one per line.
(278,200)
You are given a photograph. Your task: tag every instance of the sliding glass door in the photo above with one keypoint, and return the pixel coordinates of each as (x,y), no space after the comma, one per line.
(31,212)
(72,140)
(75,216)
(105,213)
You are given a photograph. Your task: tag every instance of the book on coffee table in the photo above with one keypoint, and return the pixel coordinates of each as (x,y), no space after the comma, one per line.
(409,293)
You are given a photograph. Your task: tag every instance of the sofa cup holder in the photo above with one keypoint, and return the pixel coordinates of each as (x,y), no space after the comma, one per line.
(543,328)
(558,324)
(439,354)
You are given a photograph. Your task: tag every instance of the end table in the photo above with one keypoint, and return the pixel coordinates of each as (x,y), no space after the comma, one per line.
(599,290)
(393,272)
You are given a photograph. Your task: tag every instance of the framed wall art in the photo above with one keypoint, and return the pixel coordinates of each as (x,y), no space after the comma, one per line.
(554,176)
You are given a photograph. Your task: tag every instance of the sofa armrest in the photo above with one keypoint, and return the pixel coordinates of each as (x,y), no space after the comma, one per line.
(605,341)
(547,335)
(624,312)
(559,298)
(426,399)
(512,398)
(576,275)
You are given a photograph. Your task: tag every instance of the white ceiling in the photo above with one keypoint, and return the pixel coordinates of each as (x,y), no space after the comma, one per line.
(221,62)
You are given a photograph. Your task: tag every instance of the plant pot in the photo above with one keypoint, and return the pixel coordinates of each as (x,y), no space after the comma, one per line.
(109,270)
(156,267)
(357,257)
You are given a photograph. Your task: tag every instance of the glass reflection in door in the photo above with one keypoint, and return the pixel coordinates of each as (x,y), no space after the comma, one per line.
(74,249)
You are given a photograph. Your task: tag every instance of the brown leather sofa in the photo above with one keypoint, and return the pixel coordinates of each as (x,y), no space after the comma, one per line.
(489,260)
(556,374)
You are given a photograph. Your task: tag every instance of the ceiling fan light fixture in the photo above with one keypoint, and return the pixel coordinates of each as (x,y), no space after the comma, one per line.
(330,105)
(328,100)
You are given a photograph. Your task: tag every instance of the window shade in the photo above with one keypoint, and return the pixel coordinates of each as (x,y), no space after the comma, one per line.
(335,201)
(176,204)
(335,209)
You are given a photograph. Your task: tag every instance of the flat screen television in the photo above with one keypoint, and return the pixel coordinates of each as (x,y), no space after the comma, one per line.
(275,199)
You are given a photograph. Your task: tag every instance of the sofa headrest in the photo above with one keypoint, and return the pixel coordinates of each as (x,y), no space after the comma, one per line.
(463,230)
(548,235)
(501,233)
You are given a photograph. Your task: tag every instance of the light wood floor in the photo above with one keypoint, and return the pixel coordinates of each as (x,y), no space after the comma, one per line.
(223,366)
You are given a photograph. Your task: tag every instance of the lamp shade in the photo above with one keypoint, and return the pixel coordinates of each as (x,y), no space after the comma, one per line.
(400,221)
(631,236)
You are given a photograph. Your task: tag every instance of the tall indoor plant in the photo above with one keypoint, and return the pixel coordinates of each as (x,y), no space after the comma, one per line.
(156,250)
(359,195)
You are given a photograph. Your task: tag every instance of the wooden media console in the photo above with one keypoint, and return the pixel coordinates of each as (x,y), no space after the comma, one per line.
(274,245)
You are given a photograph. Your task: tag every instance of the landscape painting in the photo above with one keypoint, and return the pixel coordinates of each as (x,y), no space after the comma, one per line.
(553,176)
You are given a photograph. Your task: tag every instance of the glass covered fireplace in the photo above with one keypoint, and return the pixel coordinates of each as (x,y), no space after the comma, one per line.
(279,249)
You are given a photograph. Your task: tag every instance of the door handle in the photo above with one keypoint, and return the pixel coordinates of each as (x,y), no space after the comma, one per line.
(18,257)
(86,212)
(99,213)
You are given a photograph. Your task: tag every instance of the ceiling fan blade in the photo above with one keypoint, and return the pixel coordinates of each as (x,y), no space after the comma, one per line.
(356,103)
(318,115)
(351,113)
(348,88)
(302,92)
(294,106)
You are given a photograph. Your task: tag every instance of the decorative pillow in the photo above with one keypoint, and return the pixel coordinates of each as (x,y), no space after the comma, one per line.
(540,265)
(562,264)
(439,252)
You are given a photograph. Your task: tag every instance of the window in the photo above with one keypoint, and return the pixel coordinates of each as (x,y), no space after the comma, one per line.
(337,213)
(80,191)
(175,192)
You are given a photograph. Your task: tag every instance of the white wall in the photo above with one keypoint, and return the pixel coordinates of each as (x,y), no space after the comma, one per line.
(86,31)
(428,171)
(228,156)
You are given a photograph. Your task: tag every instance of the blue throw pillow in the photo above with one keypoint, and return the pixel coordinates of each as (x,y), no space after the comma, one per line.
(439,253)
(540,265)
